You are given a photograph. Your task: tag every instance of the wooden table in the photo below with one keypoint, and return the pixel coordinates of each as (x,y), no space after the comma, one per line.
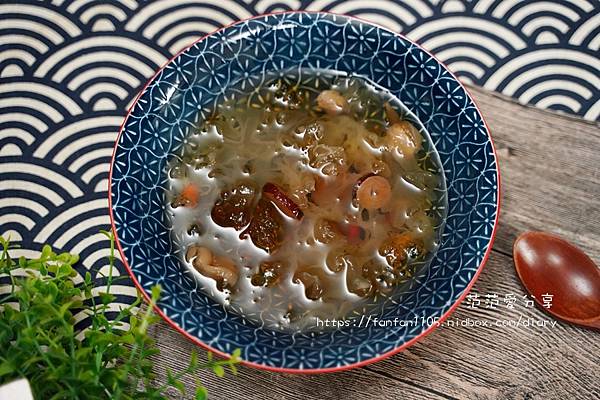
(550,167)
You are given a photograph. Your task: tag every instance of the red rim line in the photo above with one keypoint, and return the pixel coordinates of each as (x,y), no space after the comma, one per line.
(388,354)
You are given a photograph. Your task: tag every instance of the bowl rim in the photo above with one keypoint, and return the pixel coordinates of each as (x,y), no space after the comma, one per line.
(309,371)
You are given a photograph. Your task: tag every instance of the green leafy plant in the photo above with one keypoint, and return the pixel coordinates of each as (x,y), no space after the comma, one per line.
(39,341)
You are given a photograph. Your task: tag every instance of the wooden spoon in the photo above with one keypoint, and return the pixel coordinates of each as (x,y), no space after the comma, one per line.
(548,264)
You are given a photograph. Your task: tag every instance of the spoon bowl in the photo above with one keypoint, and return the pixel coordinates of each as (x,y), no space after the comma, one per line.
(548,264)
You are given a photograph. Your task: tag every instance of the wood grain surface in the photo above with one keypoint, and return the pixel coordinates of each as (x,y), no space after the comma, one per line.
(550,166)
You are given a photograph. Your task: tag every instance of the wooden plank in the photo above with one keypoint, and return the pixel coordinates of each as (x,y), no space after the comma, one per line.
(256,384)
(502,362)
(549,167)
(453,362)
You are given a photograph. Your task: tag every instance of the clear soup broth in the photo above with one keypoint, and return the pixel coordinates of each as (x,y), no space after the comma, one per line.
(305,199)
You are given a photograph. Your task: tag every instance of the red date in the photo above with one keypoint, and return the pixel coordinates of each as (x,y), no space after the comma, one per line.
(282,201)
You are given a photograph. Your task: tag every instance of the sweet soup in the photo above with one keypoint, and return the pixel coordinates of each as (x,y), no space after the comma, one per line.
(297,201)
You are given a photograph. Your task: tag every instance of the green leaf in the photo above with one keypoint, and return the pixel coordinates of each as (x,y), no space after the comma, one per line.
(156,289)
(98,360)
(63,257)
(179,386)
(218,370)
(237,353)
(201,393)
(65,270)
(193,359)
(46,252)
(39,342)
(6,368)
(107,298)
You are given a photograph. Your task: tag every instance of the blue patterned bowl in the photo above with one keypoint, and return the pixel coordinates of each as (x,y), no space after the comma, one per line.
(189,85)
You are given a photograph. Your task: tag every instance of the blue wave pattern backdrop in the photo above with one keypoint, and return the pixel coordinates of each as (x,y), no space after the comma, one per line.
(70,70)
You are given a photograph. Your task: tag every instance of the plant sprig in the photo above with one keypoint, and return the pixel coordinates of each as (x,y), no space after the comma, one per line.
(38,339)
